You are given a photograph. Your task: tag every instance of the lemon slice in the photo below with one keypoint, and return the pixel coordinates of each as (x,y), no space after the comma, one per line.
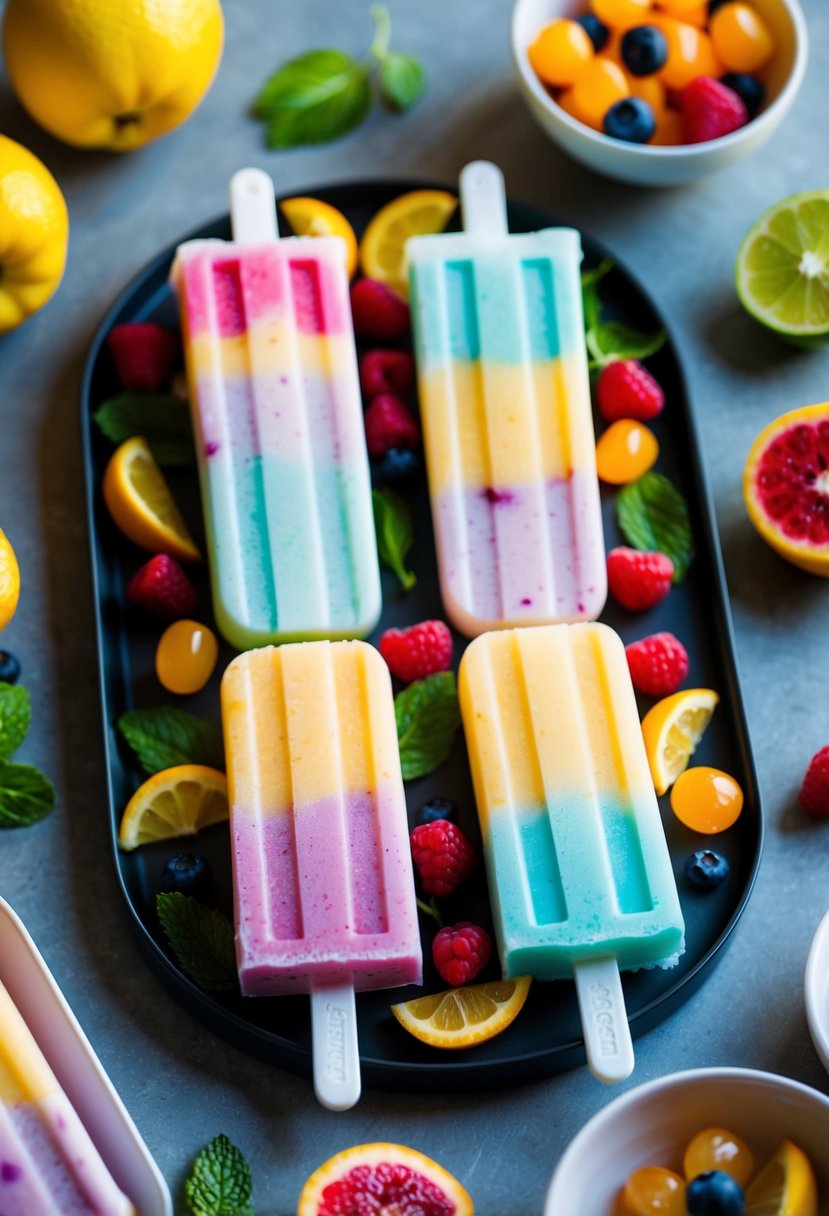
(462,1017)
(9,580)
(382,1178)
(175,802)
(140,502)
(672,730)
(785,1186)
(312,217)
(383,247)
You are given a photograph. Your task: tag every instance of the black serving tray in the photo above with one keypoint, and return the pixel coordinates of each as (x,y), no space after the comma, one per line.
(546,1037)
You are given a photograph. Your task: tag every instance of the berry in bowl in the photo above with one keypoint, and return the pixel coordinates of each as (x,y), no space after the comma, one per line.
(658,92)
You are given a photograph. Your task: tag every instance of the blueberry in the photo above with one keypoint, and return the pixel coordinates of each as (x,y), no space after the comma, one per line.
(9,667)
(190,874)
(396,467)
(644,50)
(630,119)
(714,1193)
(596,30)
(751,90)
(437,808)
(713,5)
(706,869)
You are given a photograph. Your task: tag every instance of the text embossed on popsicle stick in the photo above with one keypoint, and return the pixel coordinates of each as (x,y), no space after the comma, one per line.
(335,1042)
(604,1016)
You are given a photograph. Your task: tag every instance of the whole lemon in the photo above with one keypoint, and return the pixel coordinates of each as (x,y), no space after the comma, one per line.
(9,580)
(34,230)
(112,73)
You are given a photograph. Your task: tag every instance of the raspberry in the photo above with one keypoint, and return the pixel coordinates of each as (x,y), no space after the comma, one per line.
(386,371)
(378,313)
(144,355)
(418,651)
(390,424)
(460,952)
(162,586)
(638,579)
(710,109)
(814,793)
(626,389)
(442,856)
(658,664)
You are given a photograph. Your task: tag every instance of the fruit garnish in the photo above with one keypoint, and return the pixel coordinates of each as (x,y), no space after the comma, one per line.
(714,1193)
(750,90)
(672,730)
(417,652)
(706,799)
(313,217)
(706,869)
(626,389)
(9,580)
(390,424)
(463,1017)
(596,30)
(460,952)
(175,802)
(631,119)
(658,664)
(144,355)
(716,1148)
(638,579)
(710,110)
(644,49)
(786,481)
(185,656)
(814,792)
(397,467)
(625,451)
(443,856)
(437,808)
(162,586)
(782,269)
(189,873)
(786,1186)
(141,504)
(386,371)
(9,667)
(384,1178)
(382,248)
(379,313)
(652,1191)
(35,227)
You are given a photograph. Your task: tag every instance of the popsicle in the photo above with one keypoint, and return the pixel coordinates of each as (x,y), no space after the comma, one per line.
(579,873)
(322,873)
(277,414)
(48,1164)
(505,407)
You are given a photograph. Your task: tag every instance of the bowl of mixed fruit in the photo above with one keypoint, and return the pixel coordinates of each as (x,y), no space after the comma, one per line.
(659,92)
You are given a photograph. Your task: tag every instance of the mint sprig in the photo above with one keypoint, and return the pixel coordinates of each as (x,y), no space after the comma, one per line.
(608,341)
(652,514)
(202,939)
(15,715)
(163,420)
(322,95)
(219,1183)
(590,298)
(164,736)
(428,717)
(395,533)
(26,796)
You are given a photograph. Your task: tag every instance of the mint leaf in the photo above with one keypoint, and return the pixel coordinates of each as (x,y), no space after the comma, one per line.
(393,524)
(164,421)
(591,301)
(202,939)
(652,514)
(220,1181)
(25,795)
(609,340)
(164,736)
(15,715)
(313,99)
(428,717)
(402,80)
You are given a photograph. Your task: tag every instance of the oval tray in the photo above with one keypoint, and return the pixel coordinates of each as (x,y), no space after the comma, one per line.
(546,1037)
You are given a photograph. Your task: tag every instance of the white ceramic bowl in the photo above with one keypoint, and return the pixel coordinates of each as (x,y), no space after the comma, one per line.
(650,1126)
(660,166)
(816,990)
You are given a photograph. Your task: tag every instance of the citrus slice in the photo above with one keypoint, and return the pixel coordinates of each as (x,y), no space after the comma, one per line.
(383,247)
(462,1017)
(175,802)
(9,580)
(383,1178)
(786,487)
(672,730)
(140,502)
(782,271)
(312,217)
(785,1186)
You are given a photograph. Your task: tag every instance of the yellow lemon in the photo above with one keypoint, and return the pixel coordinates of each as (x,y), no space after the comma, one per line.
(786,1186)
(9,580)
(383,247)
(112,73)
(313,217)
(140,502)
(34,231)
(461,1017)
(672,730)
(175,802)
(383,1178)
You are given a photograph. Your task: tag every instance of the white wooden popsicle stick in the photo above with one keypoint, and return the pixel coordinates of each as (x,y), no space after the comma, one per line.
(335,1048)
(604,1019)
(252,207)
(483,199)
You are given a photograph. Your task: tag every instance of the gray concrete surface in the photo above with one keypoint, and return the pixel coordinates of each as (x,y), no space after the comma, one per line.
(181,1084)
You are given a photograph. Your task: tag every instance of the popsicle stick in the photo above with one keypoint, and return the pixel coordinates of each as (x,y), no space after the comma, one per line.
(252,207)
(335,1049)
(604,1019)
(483,199)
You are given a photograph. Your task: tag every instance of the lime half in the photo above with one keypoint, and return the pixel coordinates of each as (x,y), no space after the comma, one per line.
(782,268)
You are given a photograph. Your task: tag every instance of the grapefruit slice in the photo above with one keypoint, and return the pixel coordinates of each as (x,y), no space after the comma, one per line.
(786,487)
(383,1178)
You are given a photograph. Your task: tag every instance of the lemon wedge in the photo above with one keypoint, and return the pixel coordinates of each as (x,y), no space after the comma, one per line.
(383,247)
(672,729)
(313,217)
(462,1017)
(786,1186)
(140,502)
(175,802)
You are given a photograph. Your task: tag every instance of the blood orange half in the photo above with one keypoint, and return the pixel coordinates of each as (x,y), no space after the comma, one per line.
(383,1180)
(786,487)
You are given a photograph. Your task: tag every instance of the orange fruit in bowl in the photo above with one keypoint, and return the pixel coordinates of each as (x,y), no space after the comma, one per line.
(786,487)
(111,74)
(34,232)
(387,1178)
